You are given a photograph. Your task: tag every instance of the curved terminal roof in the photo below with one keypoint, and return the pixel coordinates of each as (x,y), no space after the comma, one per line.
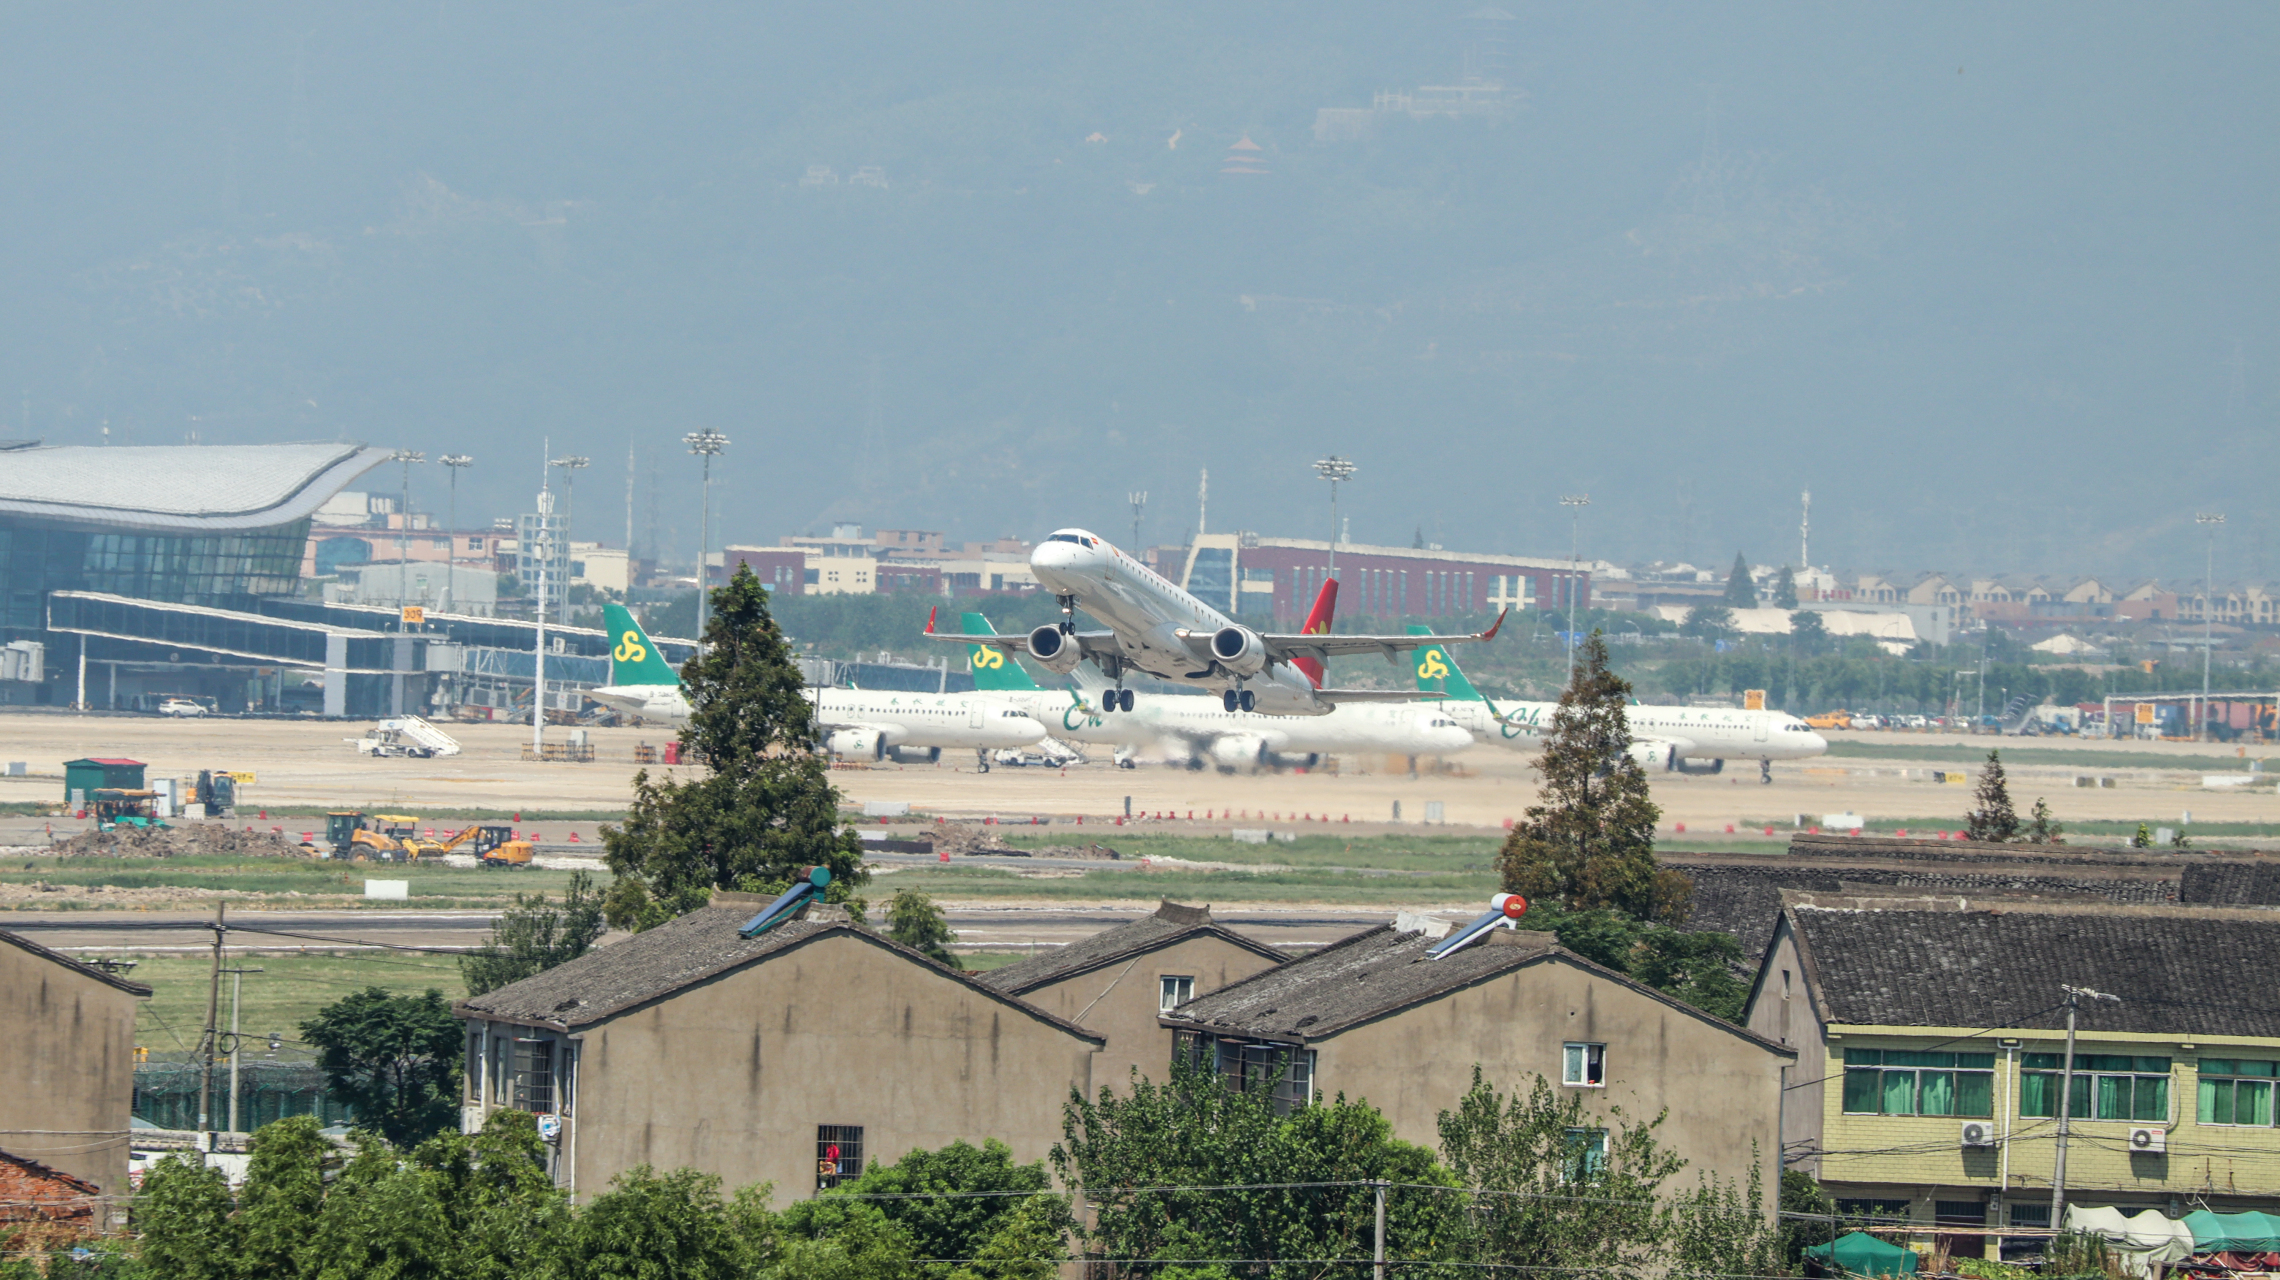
(179,488)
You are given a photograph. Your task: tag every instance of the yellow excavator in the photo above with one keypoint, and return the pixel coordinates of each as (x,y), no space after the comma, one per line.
(495,845)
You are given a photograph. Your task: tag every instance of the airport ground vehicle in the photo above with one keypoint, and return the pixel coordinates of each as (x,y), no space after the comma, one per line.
(1838,719)
(180,707)
(407,736)
(118,807)
(496,846)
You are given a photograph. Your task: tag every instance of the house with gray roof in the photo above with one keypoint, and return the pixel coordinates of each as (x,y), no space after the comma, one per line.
(794,1057)
(1931,1040)
(1118,982)
(1378,1016)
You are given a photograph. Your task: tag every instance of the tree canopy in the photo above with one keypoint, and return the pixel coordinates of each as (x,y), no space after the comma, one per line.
(763,806)
(1992,819)
(1741,590)
(535,935)
(395,1059)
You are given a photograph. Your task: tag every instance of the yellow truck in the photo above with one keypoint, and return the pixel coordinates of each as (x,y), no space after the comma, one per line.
(1838,719)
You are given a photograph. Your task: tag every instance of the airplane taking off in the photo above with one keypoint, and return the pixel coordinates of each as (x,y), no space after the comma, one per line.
(1661,737)
(1197,731)
(912,727)
(1157,628)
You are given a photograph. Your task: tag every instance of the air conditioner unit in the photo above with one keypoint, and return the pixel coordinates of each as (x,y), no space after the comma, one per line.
(2149,1142)
(1978,1133)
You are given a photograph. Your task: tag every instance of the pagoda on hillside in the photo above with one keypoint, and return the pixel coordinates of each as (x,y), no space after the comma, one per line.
(1246,157)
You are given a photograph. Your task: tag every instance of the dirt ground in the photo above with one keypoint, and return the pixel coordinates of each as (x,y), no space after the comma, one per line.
(308,764)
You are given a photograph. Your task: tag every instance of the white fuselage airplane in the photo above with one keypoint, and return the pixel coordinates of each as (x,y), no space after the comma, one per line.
(1666,736)
(1157,628)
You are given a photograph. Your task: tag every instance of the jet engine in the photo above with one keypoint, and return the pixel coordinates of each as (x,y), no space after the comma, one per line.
(1239,750)
(1658,757)
(1279,761)
(1684,765)
(856,743)
(1239,651)
(1055,648)
(915,755)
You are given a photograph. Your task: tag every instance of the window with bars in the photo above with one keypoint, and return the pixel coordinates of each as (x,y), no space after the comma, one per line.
(2107,1086)
(838,1154)
(534,1076)
(1173,991)
(1907,1082)
(2236,1091)
(1285,1072)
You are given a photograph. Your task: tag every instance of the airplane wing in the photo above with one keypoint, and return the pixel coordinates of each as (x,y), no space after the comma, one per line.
(1336,696)
(1089,643)
(1282,647)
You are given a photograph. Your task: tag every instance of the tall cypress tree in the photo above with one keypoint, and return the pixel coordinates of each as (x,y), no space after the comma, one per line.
(1741,591)
(763,807)
(1785,589)
(1994,821)
(1590,840)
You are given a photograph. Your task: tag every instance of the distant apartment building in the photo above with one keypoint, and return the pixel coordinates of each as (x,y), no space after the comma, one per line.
(1244,573)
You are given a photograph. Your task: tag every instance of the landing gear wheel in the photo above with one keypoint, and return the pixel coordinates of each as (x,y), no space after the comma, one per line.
(1765,772)
(1230,701)
(1248,700)
(982,759)
(1068,614)
(1124,699)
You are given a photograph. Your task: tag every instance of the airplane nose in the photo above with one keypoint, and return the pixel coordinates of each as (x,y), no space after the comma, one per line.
(1819,743)
(1055,555)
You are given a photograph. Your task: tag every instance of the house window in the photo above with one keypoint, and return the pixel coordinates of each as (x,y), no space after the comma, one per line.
(1906,1082)
(474,1058)
(1586,1154)
(2107,1086)
(2236,1091)
(1583,1065)
(1873,1210)
(1174,992)
(474,544)
(1284,1071)
(534,1076)
(838,1154)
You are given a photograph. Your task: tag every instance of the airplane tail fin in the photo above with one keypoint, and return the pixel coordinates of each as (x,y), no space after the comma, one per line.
(634,659)
(994,670)
(1318,623)
(1437,672)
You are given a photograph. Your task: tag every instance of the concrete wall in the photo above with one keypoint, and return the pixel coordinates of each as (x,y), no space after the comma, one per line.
(68,1060)
(1120,1001)
(1722,1090)
(1782,1011)
(733,1075)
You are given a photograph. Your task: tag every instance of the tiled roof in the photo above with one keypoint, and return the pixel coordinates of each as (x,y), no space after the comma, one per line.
(1170,923)
(177,487)
(2178,970)
(1379,972)
(111,979)
(703,944)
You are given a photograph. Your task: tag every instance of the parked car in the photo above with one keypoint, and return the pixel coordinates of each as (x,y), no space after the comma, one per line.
(180,707)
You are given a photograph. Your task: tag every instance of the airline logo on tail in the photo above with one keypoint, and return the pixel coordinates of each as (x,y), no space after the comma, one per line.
(1318,624)
(634,658)
(993,672)
(1437,673)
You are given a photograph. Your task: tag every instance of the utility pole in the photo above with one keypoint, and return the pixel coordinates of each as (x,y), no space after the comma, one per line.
(1377,1247)
(1805,532)
(404,522)
(1202,499)
(706,445)
(2208,611)
(206,1042)
(1334,469)
(2066,1102)
(237,983)
(457,462)
(545,550)
(1575,503)
(1139,500)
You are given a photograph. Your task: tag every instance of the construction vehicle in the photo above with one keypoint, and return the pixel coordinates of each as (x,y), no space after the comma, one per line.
(354,835)
(117,807)
(406,736)
(496,846)
(1838,719)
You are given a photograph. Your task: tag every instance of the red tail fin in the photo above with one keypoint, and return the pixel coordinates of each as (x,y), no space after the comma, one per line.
(1318,624)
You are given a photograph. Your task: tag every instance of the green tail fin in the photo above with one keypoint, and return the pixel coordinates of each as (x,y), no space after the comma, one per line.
(994,670)
(1437,671)
(633,658)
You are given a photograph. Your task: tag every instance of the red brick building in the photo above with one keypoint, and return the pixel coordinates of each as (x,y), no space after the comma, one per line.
(1241,573)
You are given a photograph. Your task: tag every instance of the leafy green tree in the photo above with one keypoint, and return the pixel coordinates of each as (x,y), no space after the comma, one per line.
(1195,1131)
(2044,829)
(508,1220)
(989,1188)
(283,1193)
(833,1238)
(394,1058)
(1992,819)
(1584,1184)
(673,1226)
(1590,840)
(1030,1243)
(383,1217)
(1785,589)
(1698,966)
(1801,1195)
(183,1217)
(1708,622)
(914,921)
(1741,589)
(1719,1230)
(1807,633)
(2143,839)
(763,808)
(535,935)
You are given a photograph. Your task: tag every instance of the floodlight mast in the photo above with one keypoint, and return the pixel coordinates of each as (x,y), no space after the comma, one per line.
(404,522)
(2212,520)
(1575,502)
(705,444)
(457,462)
(1334,469)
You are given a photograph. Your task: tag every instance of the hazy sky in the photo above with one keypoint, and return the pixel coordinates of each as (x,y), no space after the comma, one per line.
(1996,283)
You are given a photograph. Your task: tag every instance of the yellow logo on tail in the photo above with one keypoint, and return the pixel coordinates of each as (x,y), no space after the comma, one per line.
(630,648)
(986,658)
(1432,667)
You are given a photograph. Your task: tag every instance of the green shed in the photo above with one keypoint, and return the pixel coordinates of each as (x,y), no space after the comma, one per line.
(84,777)
(1861,1254)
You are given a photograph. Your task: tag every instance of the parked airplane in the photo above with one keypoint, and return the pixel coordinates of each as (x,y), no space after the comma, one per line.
(1662,737)
(1157,628)
(911,727)
(1198,731)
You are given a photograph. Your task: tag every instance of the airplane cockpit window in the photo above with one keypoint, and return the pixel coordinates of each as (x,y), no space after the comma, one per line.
(1066,537)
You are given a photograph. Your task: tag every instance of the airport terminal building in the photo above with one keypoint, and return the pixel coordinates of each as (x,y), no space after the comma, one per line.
(133,573)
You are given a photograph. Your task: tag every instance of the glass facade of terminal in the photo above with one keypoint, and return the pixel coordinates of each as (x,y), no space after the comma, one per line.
(222,571)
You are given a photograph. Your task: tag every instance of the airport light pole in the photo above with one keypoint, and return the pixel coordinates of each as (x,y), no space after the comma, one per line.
(404,522)
(1334,469)
(570,466)
(705,444)
(2211,519)
(1139,500)
(457,462)
(1575,503)
(2066,1101)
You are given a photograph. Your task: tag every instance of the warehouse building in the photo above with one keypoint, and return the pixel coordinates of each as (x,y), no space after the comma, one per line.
(1253,576)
